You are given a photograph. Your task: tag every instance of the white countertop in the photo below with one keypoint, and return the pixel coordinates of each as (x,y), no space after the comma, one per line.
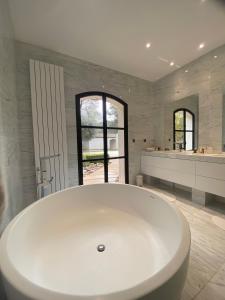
(188,155)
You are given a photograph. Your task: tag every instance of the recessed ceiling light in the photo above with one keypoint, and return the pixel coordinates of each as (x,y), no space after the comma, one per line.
(215,56)
(172,63)
(148,45)
(186,71)
(201,46)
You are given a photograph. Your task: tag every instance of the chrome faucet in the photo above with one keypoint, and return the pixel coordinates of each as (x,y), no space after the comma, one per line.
(180,146)
(42,180)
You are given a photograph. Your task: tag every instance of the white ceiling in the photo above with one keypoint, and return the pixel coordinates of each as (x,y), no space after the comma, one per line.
(113,33)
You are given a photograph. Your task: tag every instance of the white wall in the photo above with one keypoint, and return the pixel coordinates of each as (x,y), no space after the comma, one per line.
(81,76)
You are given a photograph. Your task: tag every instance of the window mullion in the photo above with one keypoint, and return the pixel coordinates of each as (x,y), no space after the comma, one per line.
(184,129)
(105,139)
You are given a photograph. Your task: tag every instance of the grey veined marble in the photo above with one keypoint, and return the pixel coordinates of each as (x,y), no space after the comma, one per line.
(11,201)
(205,79)
(80,76)
(206,274)
(188,155)
(9,137)
(147,105)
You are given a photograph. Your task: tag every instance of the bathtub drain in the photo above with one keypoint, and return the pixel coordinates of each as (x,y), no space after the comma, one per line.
(101,248)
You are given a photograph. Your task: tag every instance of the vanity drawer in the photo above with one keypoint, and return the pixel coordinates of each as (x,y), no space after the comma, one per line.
(211,170)
(179,165)
(210,185)
(177,171)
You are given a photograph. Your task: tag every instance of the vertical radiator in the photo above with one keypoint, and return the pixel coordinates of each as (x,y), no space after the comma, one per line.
(49,127)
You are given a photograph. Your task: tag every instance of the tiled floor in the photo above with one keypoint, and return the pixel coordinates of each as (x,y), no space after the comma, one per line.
(206,275)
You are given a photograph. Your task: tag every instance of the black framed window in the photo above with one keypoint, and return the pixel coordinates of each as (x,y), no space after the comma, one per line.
(184,129)
(102,138)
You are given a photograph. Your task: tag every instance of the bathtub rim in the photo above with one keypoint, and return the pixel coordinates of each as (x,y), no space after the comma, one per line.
(31,289)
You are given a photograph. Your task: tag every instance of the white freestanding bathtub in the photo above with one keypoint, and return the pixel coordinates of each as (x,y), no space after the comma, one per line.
(96,242)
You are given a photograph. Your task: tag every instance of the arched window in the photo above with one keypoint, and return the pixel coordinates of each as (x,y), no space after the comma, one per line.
(102,138)
(184,129)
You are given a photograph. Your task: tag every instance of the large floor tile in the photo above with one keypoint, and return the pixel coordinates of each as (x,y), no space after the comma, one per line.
(206,274)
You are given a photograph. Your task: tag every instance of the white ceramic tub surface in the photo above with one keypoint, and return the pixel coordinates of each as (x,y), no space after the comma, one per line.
(50,250)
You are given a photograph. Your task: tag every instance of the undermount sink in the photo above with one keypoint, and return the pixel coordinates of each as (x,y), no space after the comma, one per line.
(204,154)
(183,152)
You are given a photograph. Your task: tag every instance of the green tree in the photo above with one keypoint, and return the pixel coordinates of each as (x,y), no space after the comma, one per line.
(91,114)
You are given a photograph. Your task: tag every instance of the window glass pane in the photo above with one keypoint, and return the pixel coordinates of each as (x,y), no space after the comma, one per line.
(179,139)
(93,172)
(189,121)
(116,170)
(189,141)
(91,111)
(115,142)
(179,120)
(114,113)
(92,143)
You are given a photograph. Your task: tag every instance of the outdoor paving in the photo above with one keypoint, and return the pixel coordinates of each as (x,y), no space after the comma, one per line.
(98,175)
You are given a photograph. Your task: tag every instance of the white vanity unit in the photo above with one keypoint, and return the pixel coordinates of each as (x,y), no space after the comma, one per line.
(204,173)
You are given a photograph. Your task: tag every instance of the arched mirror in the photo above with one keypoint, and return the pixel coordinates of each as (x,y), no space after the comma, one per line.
(184,127)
